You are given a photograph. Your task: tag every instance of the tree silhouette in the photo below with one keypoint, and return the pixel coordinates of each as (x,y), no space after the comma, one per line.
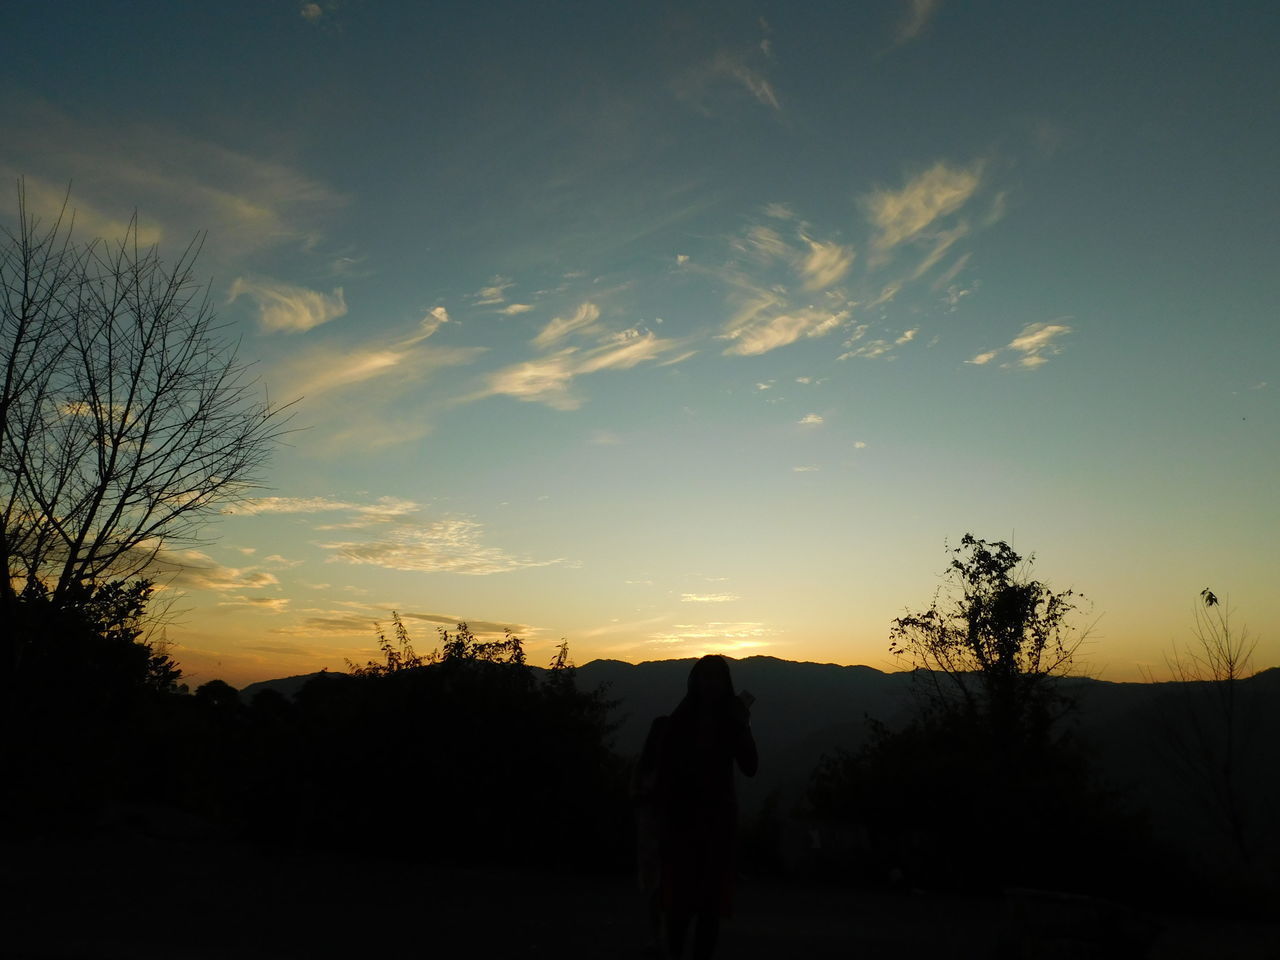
(991,645)
(983,765)
(1207,724)
(125,415)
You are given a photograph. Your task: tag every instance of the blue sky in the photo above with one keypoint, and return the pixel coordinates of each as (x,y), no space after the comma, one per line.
(688,327)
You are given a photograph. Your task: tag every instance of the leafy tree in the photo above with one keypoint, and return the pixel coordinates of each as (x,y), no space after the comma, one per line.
(219,695)
(94,637)
(982,766)
(993,643)
(84,709)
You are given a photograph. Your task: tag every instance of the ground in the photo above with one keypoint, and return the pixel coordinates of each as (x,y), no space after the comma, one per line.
(140,898)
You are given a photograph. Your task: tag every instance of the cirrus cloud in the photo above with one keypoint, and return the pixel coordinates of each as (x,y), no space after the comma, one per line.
(285,308)
(1034,345)
(452,545)
(901,215)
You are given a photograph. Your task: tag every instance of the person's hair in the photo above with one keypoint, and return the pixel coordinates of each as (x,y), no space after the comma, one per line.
(710,680)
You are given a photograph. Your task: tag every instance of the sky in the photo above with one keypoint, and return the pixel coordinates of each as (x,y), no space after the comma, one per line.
(679,328)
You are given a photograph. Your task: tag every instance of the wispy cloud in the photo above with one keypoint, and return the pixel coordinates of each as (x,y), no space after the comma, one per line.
(915,18)
(764,245)
(737,67)
(768,261)
(394,534)
(708,597)
(825,264)
(393,362)
(871,350)
(359,622)
(576,345)
(512,309)
(381,510)
(713,637)
(195,570)
(181,185)
(542,380)
(284,308)
(476,626)
(1032,347)
(805,469)
(494,293)
(583,320)
(452,545)
(436,318)
(1037,342)
(900,215)
(269,604)
(952,271)
(810,419)
(943,240)
(45,201)
(548,379)
(764,330)
(744,68)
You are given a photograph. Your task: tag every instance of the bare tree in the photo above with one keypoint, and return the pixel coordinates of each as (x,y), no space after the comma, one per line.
(1208,723)
(126,416)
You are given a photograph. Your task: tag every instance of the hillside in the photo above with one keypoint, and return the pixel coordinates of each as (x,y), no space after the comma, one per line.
(803,710)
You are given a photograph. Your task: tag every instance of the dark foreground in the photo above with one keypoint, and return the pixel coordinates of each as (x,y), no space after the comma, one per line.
(134,898)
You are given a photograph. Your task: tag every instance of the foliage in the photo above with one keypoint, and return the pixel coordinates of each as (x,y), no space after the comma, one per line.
(80,683)
(92,637)
(397,654)
(934,805)
(992,642)
(983,766)
(503,761)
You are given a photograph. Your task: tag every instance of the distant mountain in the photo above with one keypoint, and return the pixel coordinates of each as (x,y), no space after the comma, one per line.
(289,686)
(803,710)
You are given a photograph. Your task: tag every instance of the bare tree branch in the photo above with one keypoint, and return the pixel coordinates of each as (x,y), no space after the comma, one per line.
(126,415)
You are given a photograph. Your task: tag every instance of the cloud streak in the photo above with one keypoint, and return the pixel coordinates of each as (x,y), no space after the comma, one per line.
(1032,347)
(442,546)
(916,17)
(182,185)
(397,362)
(583,320)
(825,264)
(760,332)
(284,308)
(901,215)
(575,345)
(753,81)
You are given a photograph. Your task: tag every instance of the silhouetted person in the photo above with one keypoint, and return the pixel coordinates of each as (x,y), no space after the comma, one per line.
(697,805)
